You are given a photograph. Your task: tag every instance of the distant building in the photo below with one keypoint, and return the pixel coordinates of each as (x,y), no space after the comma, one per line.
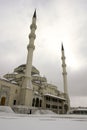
(25,87)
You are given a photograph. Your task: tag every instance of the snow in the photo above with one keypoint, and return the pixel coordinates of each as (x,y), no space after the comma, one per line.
(41,123)
(81,109)
(12,121)
(37,112)
(6,109)
(47,94)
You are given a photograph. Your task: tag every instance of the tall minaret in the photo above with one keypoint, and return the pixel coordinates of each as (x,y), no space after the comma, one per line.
(64,75)
(27,88)
(30,48)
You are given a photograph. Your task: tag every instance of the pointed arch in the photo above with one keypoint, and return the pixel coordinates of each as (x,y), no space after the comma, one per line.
(33,102)
(37,102)
(3,100)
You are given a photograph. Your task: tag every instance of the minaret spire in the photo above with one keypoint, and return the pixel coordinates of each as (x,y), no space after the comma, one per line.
(62,48)
(27,88)
(34,15)
(64,74)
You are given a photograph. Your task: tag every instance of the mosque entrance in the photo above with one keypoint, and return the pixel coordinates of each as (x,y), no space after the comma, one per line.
(3,99)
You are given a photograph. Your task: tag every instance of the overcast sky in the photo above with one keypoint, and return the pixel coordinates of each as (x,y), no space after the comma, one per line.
(57,21)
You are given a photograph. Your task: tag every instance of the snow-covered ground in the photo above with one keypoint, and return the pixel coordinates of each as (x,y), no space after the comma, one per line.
(6,109)
(12,121)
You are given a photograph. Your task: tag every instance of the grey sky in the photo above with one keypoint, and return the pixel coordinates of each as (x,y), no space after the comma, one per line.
(57,21)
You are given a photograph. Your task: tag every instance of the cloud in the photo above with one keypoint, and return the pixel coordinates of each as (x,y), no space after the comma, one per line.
(77,82)
(78,101)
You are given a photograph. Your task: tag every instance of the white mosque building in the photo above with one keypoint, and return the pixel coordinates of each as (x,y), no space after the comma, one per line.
(25,89)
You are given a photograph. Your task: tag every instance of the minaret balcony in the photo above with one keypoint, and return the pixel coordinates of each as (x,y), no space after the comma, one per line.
(63,65)
(33,25)
(63,58)
(32,35)
(64,73)
(30,46)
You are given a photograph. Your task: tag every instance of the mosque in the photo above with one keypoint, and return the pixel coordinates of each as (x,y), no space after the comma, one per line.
(26,90)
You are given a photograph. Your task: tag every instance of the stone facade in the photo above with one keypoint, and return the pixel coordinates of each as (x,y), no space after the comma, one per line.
(44,95)
(9,93)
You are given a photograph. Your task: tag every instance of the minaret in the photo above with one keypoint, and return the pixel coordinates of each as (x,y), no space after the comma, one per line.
(64,75)
(30,48)
(27,88)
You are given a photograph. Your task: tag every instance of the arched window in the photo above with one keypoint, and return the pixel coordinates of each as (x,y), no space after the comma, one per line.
(37,102)
(14,102)
(40,103)
(33,102)
(3,99)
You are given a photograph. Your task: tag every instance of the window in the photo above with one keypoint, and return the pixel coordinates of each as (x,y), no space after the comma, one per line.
(37,102)
(54,106)
(14,102)
(33,102)
(60,101)
(3,99)
(40,103)
(47,105)
(54,100)
(48,98)
(60,107)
